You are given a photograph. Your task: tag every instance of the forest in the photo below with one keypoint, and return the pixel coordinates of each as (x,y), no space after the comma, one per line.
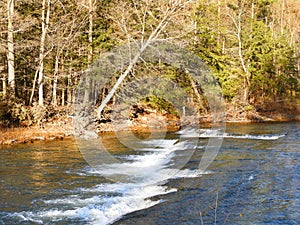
(252,47)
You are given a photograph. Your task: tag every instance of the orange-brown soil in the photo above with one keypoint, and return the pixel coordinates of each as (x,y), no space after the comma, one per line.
(48,131)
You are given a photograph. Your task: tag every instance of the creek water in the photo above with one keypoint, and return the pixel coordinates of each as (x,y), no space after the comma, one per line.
(255,179)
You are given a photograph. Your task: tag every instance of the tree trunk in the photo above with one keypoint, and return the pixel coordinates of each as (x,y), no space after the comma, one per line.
(90,52)
(63,96)
(246,89)
(240,52)
(54,91)
(10,48)
(45,22)
(219,23)
(33,86)
(282,17)
(90,33)
(4,86)
(69,88)
(247,76)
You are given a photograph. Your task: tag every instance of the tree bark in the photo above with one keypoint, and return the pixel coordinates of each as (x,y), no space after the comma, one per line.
(90,33)
(4,86)
(69,89)
(63,96)
(10,48)
(45,22)
(55,80)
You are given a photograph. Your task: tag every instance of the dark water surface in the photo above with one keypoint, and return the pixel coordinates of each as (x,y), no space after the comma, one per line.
(255,179)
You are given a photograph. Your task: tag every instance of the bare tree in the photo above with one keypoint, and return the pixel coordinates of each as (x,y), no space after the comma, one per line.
(45,23)
(3,46)
(236,14)
(68,23)
(154,19)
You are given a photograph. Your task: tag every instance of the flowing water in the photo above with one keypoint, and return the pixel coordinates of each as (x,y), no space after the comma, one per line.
(255,179)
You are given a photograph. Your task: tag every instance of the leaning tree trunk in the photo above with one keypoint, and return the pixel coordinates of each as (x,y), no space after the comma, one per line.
(144,45)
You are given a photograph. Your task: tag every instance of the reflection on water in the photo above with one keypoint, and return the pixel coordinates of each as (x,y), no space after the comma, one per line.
(254,180)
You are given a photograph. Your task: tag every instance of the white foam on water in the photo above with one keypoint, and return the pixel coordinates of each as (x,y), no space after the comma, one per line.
(107,209)
(22,217)
(74,200)
(256,137)
(214,133)
(98,210)
(160,143)
(150,166)
(108,202)
(186,173)
(251,177)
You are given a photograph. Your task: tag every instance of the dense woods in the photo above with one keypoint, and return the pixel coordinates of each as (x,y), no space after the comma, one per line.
(252,46)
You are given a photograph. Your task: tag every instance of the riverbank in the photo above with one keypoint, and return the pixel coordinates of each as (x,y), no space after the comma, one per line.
(54,130)
(271,111)
(63,128)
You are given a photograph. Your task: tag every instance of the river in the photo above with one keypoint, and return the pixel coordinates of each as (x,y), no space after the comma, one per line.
(255,179)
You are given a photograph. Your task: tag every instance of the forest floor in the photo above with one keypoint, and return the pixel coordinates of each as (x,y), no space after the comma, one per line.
(63,127)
